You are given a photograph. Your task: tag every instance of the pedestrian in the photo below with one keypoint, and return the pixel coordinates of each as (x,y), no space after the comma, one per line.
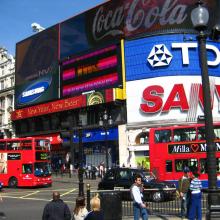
(184,193)
(195,207)
(96,213)
(56,209)
(139,207)
(80,210)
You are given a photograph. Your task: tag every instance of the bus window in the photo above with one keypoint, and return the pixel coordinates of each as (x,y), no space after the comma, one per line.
(180,164)
(42,169)
(42,144)
(27,168)
(169,166)
(162,136)
(193,165)
(203,166)
(184,134)
(201,133)
(26,145)
(217,131)
(218,165)
(15,145)
(2,145)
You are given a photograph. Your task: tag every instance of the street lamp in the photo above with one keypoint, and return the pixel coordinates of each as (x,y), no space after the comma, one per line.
(200,18)
(105,121)
(80,160)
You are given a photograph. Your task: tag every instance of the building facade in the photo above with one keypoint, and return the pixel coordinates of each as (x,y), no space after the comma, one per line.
(7,82)
(135,60)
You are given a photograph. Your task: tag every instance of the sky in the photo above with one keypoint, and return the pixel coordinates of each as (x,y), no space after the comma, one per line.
(16,17)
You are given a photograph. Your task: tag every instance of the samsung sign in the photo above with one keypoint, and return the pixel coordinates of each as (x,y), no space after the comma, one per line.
(168,56)
(34,91)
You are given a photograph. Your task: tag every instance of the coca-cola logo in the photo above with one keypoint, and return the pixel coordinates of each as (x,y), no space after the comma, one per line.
(135,14)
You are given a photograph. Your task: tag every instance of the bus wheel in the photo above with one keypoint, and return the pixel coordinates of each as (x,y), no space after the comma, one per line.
(13,182)
(157,196)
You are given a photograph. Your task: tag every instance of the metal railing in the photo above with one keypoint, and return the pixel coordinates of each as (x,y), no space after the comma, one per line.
(171,208)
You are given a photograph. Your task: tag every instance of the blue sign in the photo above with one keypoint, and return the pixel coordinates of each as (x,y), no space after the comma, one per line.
(168,55)
(34,91)
(97,135)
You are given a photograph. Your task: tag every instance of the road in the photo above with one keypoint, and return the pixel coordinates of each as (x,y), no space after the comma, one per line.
(28,203)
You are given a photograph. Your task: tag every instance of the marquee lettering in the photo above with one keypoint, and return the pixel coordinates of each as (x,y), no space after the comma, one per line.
(139,13)
(190,148)
(153,101)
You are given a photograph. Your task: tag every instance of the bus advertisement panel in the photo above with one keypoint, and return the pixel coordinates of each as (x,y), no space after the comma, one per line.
(25,162)
(176,147)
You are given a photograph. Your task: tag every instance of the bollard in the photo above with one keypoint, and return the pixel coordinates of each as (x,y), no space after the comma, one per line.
(88,197)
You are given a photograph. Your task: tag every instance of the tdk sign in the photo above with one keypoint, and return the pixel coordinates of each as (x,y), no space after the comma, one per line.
(161,56)
(168,55)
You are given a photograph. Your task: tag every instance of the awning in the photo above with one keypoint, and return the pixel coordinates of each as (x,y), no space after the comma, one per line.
(94,135)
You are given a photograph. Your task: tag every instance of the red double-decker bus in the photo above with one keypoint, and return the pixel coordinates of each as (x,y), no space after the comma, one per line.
(25,162)
(175,147)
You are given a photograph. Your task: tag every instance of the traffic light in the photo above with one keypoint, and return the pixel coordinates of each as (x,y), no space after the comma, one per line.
(66,134)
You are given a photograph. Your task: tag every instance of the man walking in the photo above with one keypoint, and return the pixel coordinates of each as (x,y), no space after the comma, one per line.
(183,188)
(139,206)
(56,209)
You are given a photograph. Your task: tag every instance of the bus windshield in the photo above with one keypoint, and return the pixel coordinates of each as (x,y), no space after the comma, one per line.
(42,169)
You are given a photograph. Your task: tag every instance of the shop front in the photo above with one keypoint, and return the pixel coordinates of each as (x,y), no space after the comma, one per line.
(95,142)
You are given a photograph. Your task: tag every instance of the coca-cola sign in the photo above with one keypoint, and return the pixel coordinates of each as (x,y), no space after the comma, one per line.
(118,19)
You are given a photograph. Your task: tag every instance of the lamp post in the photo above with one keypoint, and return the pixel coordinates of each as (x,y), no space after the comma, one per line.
(80,161)
(200,17)
(105,121)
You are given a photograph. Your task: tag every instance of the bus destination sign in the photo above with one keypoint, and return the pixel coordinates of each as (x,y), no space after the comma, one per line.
(42,156)
(190,148)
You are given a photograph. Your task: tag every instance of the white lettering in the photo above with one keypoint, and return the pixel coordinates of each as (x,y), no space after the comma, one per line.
(185,50)
(33,92)
(215,51)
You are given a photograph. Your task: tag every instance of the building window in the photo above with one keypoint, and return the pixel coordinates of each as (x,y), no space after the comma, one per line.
(2,104)
(10,100)
(2,84)
(12,81)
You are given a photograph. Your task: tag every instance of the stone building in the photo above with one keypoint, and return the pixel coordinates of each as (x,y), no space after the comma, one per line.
(7,81)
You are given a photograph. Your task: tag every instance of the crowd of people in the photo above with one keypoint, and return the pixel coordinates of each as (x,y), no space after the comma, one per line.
(189,191)
(57,209)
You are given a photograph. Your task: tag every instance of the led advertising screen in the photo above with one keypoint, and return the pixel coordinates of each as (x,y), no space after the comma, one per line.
(118,19)
(163,79)
(97,70)
(168,55)
(37,70)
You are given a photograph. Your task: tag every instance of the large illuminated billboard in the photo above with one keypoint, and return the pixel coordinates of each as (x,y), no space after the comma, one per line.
(37,70)
(96,70)
(163,79)
(117,19)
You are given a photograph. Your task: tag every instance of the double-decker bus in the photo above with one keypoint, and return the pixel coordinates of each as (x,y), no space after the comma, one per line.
(25,162)
(175,147)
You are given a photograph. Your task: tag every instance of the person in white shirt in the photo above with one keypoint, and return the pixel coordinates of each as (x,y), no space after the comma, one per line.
(80,210)
(139,207)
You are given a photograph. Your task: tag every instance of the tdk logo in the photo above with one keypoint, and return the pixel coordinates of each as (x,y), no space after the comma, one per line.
(160,56)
